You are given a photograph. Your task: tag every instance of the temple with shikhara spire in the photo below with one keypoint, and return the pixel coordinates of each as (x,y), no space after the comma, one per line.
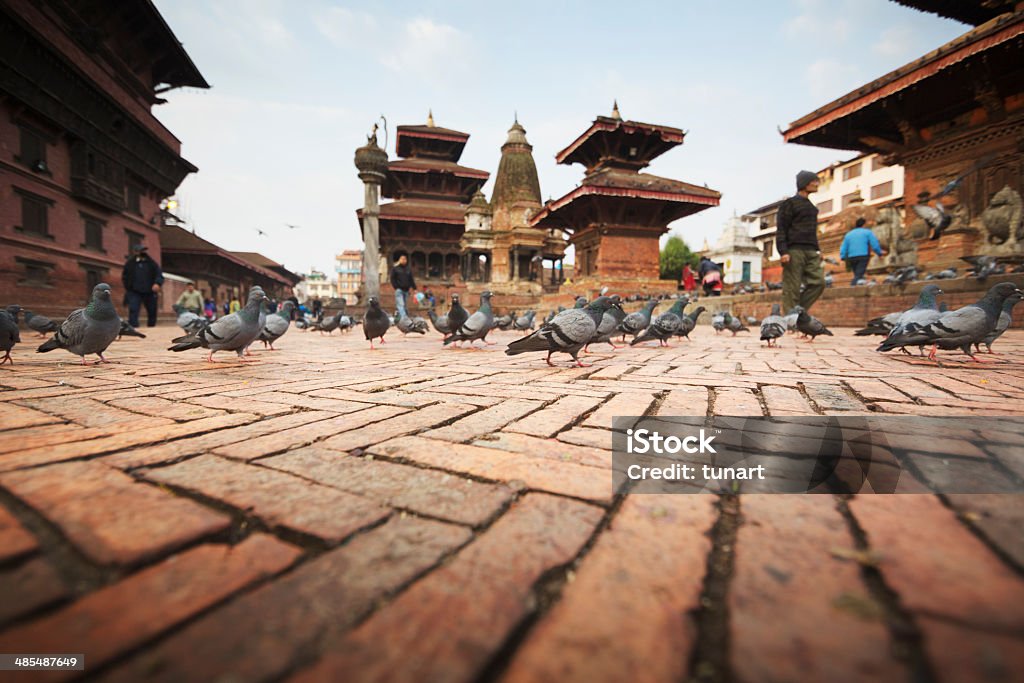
(500,245)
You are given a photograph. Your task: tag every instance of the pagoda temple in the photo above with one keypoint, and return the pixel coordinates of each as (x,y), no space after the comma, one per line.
(617,214)
(431,192)
(500,244)
(954,119)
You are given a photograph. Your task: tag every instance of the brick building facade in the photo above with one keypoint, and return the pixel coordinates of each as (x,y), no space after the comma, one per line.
(84,164)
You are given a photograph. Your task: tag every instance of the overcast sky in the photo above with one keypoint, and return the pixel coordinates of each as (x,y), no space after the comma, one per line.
(297,84)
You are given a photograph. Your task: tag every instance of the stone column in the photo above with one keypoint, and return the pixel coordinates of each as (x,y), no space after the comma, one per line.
(372,163)
(515,264)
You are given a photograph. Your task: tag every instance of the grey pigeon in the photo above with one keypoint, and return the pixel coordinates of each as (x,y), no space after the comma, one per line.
(829,280)
(773,326)
(88,330)
(609,323)
(329,324)
(503,322)
(440,322)
(637,321)
(128,331)
(734,324)
(1005,320)
(688,322)
(262,321)
(477,325)
(925,311)
(983,266)
(525,322)
(790,319)
(947,274)
(9,333)
(567,332)
(959,329)
(376,322)
(415,325)
(581,301)
(276,325)
(808,325)
(935,217)
(40,323)
(188,321)
(664,326)
(232,332)
(457,315)
(718,322)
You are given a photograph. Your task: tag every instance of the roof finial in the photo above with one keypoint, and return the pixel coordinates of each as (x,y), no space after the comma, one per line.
(615,111)
(430,118)
(515,116)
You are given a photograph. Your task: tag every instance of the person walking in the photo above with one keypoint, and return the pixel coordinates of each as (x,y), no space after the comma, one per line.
(689,281)
(857,247)
(235,306)
(191,300)
(142,279)
(318,309)
(403,282)
(710,276)
(796,238)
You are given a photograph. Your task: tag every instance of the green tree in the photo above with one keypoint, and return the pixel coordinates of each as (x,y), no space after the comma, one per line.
(674,255)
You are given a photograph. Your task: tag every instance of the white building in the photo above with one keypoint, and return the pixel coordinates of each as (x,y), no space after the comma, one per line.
(349,267)
(737,253)
(316,285)
(866,177)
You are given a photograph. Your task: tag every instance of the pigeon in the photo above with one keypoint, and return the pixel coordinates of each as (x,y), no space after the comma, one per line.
(128,331)
(440,322)
(276,325)
(477,325)
(959,329)
(1005,320)
(935,217)
(983,266)
(924,312)
(40,323)
(829,280)
(328,324)
(734,324)
(189,321)
(566,333)
(525,322)
(376,322)
(232,332)
(503,322)
(832,260)
(457,315)
(346,323)
(609,323)
(688,322)
(718,322)
(773,286)
(885,324)
(808,325)
(262,320)
(790,319)
(88,330)
(638,321)
(552,314)
(416,325)
(751,320)
(581,301)
(9,333)
(901,276)
(773,326)
(664,326)
(881,326)
(947,274)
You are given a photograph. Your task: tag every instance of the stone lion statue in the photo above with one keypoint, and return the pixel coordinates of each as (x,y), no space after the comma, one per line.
(1002,218)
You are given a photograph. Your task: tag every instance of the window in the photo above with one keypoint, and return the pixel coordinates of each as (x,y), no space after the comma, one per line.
(849,198)
(852,171)
(746,271)
(34,273)
(825,207)
(94,275)
(883,190)
(877,163)
(132,198)
(34,214)
(33,149)
(93,232)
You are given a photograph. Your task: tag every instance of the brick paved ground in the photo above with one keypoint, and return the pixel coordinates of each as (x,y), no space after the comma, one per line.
(418,514)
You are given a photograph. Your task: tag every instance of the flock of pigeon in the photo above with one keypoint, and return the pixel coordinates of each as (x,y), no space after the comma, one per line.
(91,330)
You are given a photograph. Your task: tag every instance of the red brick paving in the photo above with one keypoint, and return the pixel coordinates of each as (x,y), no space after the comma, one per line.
(419,513)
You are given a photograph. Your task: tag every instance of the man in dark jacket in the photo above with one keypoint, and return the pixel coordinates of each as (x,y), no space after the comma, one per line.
(141,278)
(403,282)
(797,240)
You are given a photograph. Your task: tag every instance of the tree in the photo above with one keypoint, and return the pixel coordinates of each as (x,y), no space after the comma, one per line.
(674,256)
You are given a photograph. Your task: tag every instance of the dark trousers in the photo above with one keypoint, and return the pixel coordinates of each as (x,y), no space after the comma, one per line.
(859,264)
(135,300)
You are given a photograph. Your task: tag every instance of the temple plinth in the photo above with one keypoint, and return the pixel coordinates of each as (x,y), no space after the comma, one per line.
(617,214)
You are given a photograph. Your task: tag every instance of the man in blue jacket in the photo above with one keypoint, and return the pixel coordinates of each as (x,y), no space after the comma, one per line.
(857,247)
(142,279)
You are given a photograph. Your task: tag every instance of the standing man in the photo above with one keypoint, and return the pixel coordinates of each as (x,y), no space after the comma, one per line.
(403,282)
(141,278)
(191,300)
(857,247)
(797,242)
